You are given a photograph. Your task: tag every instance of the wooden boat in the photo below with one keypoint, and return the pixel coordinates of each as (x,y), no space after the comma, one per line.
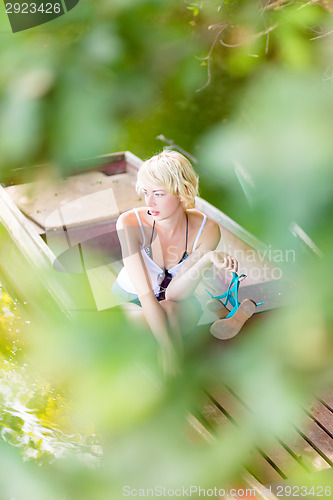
(61,237)
(68,226)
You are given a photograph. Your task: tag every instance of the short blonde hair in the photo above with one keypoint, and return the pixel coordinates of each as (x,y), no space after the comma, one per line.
(173,171)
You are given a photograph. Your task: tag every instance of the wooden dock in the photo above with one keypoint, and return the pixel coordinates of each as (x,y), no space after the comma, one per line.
(302,452)
(308,447)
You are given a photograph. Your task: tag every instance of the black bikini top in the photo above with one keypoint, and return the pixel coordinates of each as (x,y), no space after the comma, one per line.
(149,252)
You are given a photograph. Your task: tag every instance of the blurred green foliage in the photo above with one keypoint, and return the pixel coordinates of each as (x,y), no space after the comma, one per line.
(247,88)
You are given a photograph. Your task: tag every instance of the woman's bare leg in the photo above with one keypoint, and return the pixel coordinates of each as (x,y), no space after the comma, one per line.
(135,314)
(182,316)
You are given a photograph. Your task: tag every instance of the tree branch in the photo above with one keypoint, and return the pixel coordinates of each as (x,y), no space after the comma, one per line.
(208,56)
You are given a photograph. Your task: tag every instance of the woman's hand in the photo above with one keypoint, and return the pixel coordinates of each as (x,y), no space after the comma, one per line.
(223,261)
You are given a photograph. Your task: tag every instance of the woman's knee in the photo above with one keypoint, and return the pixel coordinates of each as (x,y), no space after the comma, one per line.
(169,306)
(172,311)
(135,314)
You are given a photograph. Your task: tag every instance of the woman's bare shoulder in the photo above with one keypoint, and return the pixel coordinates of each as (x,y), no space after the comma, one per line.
(195,217)
(211,233)
(127,219)
(210,225)
(128,230)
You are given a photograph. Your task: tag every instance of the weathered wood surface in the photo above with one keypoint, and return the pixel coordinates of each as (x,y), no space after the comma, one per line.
(306,447)
(25,260)
(264,282)
(87,198)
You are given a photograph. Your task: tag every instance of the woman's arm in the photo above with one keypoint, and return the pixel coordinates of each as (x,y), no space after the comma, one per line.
(129,237)
(187,279)
(190,274)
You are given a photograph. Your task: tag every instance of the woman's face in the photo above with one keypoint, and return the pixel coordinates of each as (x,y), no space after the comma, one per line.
(159,201)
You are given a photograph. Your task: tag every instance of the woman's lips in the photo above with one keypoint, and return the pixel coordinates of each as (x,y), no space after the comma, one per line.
(153,212)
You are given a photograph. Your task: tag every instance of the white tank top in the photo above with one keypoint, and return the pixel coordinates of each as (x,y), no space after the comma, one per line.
(155,272)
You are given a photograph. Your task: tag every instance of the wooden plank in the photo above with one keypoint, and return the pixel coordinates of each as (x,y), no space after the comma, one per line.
(306,454)
(133,162)
(33,227)
(322,415)
(20,230)
(304,442)
(85,198)
(110,163)
(261,492)
(26,260)
(315,425)
(327,399)
(230,225)
(307,442)
(258,466)
(317,438)
(199,432)
(275,450)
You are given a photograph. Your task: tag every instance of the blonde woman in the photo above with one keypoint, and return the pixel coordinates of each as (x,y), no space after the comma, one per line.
(166,246)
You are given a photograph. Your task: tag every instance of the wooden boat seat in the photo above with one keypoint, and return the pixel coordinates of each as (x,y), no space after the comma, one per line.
(87,198)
